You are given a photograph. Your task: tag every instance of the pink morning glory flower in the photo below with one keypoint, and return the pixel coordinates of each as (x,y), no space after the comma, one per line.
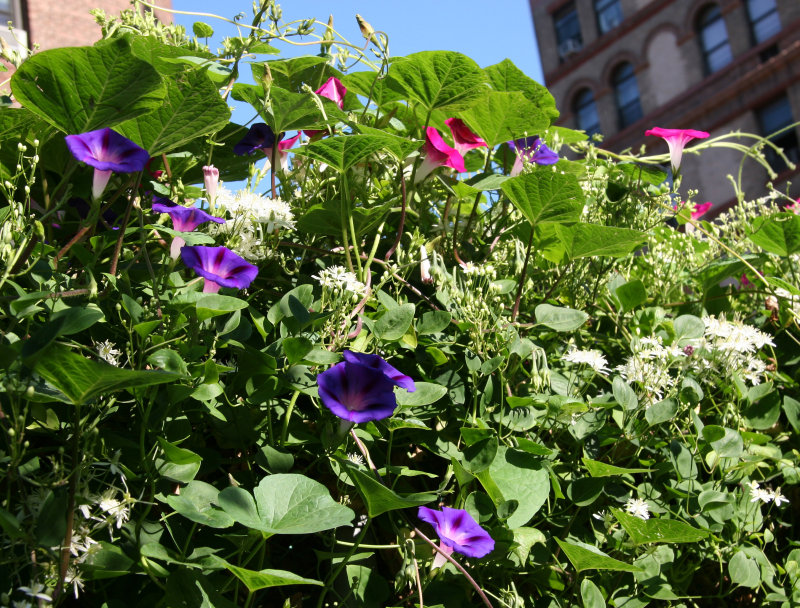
(107,151)
(464,139)
(676,140)
(334,90)
(457,531)
(184,219)
(361,388)
(219,266)
(283,151)
(438,154)
(701,209)
(531,150)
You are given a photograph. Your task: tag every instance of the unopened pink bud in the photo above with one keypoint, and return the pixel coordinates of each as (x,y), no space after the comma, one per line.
(425,266)
(211,181)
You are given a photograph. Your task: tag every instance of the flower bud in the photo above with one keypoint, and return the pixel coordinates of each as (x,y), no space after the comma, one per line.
(366,29)
(425,266)
(211,181)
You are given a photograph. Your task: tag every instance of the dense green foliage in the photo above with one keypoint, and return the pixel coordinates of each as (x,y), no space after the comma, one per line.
(606,384)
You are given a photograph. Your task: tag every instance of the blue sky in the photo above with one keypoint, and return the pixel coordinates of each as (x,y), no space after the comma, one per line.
(486,31)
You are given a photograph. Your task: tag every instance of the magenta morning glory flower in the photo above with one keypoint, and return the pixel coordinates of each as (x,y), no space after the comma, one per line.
(107,151)
(283,151)
(700,210)
(531,150)
(464,139)
(361,388)
(676,140)
(457,531)
(334,90)
(184,219)
(219,266)
(438,154)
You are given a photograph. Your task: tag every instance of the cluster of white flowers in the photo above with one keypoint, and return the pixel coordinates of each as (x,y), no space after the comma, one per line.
(649,365)
(593,358)
(115,512)
(108,352)
(734,335)
(758,493)
(733,346)
(638,508)
(336,278)
(479,270)
(273,213)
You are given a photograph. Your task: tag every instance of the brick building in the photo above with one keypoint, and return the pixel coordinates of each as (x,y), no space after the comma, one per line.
(55,24)
(619,67)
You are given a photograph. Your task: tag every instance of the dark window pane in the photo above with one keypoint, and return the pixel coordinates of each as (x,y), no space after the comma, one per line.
(626,92)
(714,39)
(586,112)
(764,19)
(609,14)
(773,117)
(568,31)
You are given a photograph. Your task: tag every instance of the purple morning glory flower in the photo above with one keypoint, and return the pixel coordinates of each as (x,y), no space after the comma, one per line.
(458,531)
(184,219)
(531,150)
(219,266)
(106,151)
(259,137)
(361,388)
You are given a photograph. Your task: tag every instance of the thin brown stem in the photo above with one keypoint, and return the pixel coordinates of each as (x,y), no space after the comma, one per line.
(461,568)
(393,248)
(522,279)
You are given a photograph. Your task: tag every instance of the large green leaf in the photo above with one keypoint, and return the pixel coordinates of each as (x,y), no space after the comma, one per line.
(587,557)
(380,499)
(196,502)
(395,322)
(291,74)
(517,475)
(545,196)
(285,503)
(344,151)
(83,380)
(647,531)
(778,234)
(264,579)
(399,147)
(560,318)
(85,88)
(601,469)
(368,84)
(500,116)
(438,79)
(191,108)
(590,240)
(287,111)
(505,76)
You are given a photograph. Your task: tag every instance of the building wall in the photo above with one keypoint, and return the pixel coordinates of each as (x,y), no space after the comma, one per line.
(659,39)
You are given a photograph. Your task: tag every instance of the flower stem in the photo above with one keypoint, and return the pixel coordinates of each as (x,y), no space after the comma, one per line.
(461,568)
(287,417)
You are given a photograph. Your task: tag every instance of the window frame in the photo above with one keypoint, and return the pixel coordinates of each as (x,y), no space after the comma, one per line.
(754,22)
(709,17)
(567,26)
(582,100)
(631,111)
(605,7)
(788,140)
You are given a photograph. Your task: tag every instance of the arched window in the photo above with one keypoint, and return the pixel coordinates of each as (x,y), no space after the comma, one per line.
(713,39)
(626,92)
(586,112)
(764,20)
